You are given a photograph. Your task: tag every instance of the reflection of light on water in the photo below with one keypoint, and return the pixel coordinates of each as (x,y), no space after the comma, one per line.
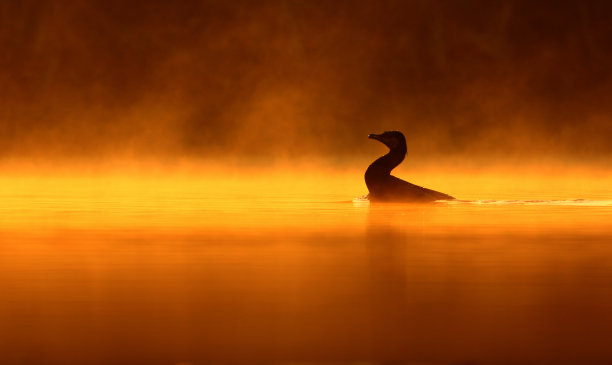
(567,202)
(204,270)
(275,201)
(361,201)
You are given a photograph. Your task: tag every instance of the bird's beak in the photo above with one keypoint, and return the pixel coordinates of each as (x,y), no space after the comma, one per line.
(374,136)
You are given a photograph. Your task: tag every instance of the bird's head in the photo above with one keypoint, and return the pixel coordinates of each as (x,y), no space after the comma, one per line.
(393,139)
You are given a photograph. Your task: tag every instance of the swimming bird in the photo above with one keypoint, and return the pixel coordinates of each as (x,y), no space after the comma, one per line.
(385,187)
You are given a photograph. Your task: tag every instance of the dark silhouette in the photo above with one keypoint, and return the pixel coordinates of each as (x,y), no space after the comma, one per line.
(385,187)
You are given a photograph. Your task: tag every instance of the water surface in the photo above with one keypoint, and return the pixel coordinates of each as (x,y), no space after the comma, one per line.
(176,271)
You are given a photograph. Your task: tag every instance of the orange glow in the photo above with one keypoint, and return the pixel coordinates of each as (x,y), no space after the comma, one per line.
(182,182)
(299,199)
(204,268)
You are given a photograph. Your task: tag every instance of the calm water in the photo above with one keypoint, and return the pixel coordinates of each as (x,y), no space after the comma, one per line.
(117,271)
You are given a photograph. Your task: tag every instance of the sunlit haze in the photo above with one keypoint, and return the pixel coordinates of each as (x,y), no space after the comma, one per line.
(183,182)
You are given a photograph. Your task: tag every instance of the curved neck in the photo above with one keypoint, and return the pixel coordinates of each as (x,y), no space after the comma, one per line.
(388,162)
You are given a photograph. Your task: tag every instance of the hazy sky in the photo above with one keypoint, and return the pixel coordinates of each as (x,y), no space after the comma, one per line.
(300,78)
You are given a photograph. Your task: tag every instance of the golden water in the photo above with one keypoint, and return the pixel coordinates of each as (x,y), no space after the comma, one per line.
(162,269)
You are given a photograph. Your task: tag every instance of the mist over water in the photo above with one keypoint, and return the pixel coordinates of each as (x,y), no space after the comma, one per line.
(182,182)
(290,79)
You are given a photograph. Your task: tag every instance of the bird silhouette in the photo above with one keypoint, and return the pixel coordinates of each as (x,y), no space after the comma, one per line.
(385,187)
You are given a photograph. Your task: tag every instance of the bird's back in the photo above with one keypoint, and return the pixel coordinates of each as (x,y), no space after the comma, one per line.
(393,189)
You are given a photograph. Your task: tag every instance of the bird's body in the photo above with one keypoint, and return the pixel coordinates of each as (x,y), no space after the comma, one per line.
(385,187)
